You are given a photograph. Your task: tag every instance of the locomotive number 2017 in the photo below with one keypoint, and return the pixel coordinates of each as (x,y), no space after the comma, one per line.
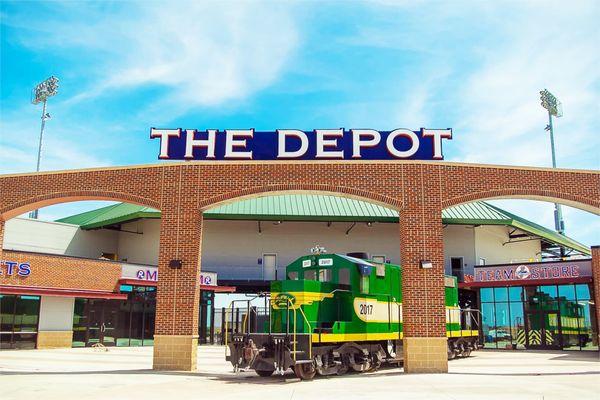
(366,309)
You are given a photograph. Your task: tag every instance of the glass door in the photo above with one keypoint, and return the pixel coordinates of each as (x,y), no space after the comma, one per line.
(108,328)
(94,317)
(543,331)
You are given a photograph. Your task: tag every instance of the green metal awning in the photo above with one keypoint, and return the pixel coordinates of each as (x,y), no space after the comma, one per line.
(307,207)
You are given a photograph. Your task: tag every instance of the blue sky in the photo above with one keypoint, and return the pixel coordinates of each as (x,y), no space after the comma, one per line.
(474,66)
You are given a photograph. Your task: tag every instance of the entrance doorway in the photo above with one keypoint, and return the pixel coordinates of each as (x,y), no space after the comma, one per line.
(269,267)
(102,322)
(542,330)
(206,322)
(116,322)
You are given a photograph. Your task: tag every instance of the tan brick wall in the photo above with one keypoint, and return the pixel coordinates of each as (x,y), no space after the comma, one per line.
(54,339)
(54,271)
(175,352)
(419,190)
(425,355)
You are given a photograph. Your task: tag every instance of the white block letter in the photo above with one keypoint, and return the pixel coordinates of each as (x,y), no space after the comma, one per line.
(164,135)
(282,135)
(231,142)
(389,143)
(323,143)
(437,135)
(357,143)
(209,143)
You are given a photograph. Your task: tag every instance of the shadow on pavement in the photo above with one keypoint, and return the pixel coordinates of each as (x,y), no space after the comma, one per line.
(245,377)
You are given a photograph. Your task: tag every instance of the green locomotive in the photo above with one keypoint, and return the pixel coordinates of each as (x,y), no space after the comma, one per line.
(334,313)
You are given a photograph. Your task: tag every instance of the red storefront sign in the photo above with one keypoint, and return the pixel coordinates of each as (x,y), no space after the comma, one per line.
(534,272)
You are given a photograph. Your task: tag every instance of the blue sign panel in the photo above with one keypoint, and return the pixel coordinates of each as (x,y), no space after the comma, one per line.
(292,144)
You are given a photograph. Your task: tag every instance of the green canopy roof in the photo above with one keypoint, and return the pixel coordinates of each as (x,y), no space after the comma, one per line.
(307,207)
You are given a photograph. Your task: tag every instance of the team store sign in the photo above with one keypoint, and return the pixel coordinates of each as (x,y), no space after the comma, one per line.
(293,144)
(532,271)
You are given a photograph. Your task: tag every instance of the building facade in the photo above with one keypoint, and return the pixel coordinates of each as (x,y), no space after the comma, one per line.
(418,190)
(247,245)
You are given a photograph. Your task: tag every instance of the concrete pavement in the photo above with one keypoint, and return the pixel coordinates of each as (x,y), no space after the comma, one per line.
(125,373)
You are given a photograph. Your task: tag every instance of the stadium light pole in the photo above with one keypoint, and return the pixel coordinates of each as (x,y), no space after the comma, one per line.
(554,107)
(40,94)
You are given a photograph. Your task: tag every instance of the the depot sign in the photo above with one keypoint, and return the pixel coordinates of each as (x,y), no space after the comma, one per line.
(534,271)
(292,144)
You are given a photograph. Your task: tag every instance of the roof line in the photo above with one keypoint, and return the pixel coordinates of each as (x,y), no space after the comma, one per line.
(329,162)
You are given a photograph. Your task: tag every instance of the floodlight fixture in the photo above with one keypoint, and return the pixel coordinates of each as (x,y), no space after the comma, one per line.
(554,107)
(40,94)
(43,90)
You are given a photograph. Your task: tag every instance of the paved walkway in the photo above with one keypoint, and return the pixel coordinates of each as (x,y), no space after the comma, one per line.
(125,373)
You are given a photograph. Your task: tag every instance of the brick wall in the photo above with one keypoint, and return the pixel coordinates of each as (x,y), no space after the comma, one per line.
(53,271)
(419,190)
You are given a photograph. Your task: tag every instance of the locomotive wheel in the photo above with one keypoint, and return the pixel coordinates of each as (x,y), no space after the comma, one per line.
(343,369)
(305,371)
(264,372)
(451,351)
(391,348)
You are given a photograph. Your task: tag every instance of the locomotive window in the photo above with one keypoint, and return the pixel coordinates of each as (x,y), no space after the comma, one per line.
(293,276)
(364,284)
(324,275)
(310,275)
(378,259)
(344,276)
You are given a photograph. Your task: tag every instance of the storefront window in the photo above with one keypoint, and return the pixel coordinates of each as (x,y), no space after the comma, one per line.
(550,317)
(517,325)
(487,295)
(19,317)
(515,293)
(79,323)
(500,294)
(502,331)
(587,339)
(567,292)
(550,291)
(583,292)
(488,322)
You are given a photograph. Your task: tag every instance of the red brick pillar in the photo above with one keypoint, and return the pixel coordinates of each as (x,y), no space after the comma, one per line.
(1,235)
(178,290)
(596,286)
(423,296)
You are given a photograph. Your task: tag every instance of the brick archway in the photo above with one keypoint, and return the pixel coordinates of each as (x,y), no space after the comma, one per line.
(419,190)
(270,190)
(567,199)
(50,199)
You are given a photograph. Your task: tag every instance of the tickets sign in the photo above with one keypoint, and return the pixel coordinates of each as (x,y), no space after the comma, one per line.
(293,144)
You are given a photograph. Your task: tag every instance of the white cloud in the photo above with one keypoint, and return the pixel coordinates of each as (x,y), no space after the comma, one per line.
(201,54)
(64,144)
(502,120)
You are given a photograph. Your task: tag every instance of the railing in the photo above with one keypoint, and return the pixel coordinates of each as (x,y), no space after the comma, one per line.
(247,325)
(467,319)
